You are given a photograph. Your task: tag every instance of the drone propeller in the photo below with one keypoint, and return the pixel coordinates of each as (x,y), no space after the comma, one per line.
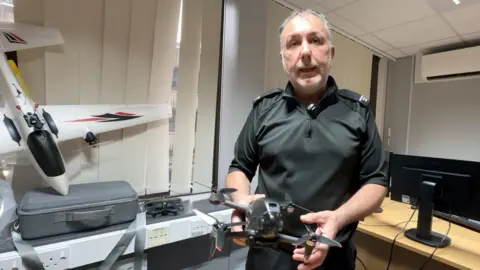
(290,206)
(219,196)
(309,240)
(219,230)
(212,221)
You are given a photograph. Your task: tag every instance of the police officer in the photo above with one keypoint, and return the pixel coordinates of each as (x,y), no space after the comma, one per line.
(316,142)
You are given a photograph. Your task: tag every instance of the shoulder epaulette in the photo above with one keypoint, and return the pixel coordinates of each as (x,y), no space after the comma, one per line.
(267,94)
(349,94)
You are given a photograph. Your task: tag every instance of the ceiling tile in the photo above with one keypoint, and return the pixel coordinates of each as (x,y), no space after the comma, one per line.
(410,50)
(376,42)
(396,53)
(441,6)
(310,4)
(464,20)
(472,39)
(472,36)
(344,25)
(418,32)
(333,4)
(373,15)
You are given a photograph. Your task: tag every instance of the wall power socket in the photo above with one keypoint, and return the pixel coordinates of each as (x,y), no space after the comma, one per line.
(52,259)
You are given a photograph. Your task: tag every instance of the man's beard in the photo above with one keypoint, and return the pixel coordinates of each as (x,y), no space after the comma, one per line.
(324,72)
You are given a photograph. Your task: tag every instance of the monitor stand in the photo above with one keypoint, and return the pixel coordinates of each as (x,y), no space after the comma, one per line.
(423,233)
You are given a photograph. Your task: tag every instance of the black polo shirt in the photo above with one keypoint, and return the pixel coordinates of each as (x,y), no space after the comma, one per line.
(320,154)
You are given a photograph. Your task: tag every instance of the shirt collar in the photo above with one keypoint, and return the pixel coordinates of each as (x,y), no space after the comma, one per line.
(331,87)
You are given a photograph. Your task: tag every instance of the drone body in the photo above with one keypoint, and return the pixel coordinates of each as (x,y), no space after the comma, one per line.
(263,224)
(264,218)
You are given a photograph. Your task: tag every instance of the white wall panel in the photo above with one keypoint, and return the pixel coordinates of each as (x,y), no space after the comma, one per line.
(140,49)
(243,73)
(189,66)
(116,33)
(207,94)
(163,62)
(275,76)
(90,52)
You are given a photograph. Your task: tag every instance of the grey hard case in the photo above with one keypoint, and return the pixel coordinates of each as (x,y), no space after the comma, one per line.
(43,212)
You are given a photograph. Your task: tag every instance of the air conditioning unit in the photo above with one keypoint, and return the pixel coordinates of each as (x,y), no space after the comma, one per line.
(450,65)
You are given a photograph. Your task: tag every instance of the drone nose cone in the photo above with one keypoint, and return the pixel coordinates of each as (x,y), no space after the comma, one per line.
(60,184)
(63,189)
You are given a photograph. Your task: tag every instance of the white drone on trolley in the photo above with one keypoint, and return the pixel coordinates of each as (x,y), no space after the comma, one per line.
(36,129)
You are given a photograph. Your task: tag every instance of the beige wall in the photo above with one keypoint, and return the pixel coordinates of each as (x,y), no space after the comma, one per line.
(275,76)
(444,123)
(436,119)
(352,65)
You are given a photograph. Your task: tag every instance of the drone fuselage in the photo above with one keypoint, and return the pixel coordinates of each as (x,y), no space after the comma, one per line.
(33,131)
(265,218)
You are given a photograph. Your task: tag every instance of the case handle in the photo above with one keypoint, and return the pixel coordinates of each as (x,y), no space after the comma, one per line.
(90,215)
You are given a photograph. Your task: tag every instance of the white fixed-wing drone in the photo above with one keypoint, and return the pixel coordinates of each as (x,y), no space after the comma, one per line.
(35,129)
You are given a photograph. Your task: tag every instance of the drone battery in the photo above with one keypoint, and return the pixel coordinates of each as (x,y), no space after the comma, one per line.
(44,213)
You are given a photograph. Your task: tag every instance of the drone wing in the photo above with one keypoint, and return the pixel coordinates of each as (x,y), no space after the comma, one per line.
(73,121)
(21,36)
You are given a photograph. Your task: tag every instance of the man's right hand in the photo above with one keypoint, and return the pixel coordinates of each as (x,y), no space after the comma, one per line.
(238,216)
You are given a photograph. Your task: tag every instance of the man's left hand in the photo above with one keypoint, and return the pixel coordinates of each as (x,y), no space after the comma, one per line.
(328,223)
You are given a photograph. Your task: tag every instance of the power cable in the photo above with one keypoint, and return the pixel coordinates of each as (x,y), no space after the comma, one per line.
(395,239)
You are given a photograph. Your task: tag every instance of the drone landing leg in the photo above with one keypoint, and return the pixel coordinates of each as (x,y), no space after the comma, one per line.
(212,247)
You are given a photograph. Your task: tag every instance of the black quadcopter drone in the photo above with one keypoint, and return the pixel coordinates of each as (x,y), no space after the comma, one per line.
(164,207)
(263,224)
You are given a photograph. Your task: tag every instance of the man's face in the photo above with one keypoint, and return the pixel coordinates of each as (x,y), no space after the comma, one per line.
(306,53)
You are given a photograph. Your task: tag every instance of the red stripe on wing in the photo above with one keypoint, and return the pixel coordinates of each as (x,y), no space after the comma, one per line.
(91,119)
(125,114)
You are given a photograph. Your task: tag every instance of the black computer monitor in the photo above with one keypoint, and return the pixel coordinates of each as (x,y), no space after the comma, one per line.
(444,185)
(388,154)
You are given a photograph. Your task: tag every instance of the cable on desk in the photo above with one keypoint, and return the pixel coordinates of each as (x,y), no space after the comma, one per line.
(444,237)
(395,239)
(364,267)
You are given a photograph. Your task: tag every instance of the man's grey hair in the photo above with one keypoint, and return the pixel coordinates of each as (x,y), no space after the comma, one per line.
(304,12)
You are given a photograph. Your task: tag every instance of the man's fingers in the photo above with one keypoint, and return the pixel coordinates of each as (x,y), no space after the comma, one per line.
(237,228)
(236,217)
(304,266)
(300,251)
(298,257)
(313,218)
(315,260)
(257,196)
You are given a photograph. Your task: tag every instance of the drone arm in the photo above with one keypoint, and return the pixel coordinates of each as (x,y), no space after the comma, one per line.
(287,238)
(237,235)
(239,206)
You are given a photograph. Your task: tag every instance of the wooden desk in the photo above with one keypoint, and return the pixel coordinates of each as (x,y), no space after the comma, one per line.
(463,253)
